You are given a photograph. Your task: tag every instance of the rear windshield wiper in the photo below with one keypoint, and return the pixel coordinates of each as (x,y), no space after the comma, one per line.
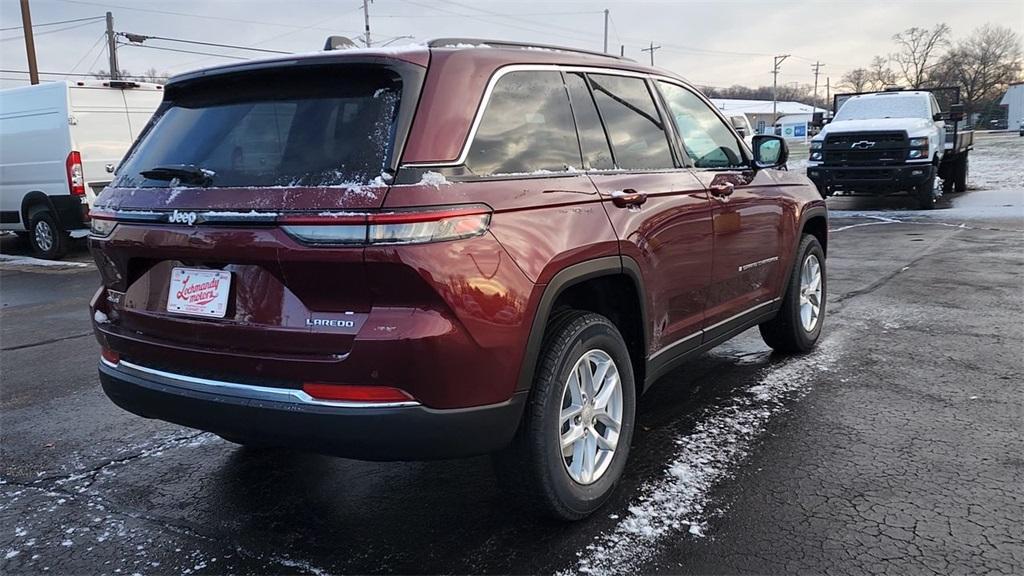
(187,173)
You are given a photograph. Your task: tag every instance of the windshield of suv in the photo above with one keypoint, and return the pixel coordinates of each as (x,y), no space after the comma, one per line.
(884,106)
(315,127)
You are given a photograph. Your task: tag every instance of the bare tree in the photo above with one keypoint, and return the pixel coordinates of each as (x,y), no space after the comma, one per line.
(880,76)
(982,65)
(918,52)
(856,80)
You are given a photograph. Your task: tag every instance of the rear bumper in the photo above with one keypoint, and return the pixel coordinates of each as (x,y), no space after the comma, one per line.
(867,179)
(405,431)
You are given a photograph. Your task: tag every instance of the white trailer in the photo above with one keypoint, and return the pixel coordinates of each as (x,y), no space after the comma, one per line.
(59,145)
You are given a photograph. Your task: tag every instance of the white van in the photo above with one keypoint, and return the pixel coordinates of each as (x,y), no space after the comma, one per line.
(59,145)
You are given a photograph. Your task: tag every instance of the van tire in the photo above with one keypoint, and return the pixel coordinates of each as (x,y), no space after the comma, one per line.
(47,239)
(533,468)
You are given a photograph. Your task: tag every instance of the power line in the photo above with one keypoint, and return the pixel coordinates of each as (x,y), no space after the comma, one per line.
(89,51)
(54,23)
(182,51)
(72,27)
(139,39)
(72,74)
(183,14)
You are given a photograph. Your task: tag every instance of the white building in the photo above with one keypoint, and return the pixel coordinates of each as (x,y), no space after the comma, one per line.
(1014,102)
(761,117)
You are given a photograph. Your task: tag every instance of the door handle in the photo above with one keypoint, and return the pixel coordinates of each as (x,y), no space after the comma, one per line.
(721,190)
(628,197)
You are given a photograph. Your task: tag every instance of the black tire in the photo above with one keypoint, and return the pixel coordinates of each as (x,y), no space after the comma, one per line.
(45,236)
(786,333)
(533,467)
(962,169)
(925,193)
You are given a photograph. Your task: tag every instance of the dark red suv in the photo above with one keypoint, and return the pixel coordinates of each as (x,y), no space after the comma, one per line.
(442,251)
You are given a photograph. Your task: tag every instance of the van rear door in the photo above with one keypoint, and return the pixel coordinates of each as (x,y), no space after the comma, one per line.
(99,132)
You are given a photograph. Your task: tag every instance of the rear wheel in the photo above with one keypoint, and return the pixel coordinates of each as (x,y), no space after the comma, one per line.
(925,193)
(46,237)
(962,169)
(574,440)
(797,326)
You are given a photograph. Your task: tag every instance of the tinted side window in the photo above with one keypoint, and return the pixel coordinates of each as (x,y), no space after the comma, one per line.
(593,141)
(708,141)
(527,127)
(634,126)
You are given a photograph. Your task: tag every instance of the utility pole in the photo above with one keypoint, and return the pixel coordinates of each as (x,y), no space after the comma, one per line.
(817,68)
(828,93)
(366,20)
(775,86)
(651,50)
(622,50)
(30,43)
(115,72)
(605,30)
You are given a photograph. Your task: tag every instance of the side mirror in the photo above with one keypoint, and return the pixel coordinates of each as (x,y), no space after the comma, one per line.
(770,151)
(938,117)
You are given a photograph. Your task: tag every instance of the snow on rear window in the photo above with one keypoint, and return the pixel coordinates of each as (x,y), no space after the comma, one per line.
(884,106)
(282,128)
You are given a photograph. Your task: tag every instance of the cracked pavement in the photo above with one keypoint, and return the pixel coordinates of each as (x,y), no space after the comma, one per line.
(904,453)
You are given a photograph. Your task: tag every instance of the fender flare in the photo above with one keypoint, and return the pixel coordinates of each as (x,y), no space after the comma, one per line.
(560,282)
(31,200)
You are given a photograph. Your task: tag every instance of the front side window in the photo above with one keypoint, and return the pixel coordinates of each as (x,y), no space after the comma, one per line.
(526,128)
(634,126)
(706,138)
(280,128)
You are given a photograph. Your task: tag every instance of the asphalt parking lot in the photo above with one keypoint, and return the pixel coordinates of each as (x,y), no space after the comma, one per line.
(896,447)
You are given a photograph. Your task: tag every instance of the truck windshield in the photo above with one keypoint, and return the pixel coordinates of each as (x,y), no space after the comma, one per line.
(885,106)
(278,128)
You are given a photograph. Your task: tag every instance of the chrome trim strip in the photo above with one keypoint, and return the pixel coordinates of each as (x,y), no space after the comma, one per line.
(246,390)
(464,153)
(709,328)
(744,313)
(746,267)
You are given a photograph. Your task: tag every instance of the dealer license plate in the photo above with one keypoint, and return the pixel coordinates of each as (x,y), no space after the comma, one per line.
(199,292)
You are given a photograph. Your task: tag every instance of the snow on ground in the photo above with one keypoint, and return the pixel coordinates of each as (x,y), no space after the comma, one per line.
(30,261)
(678,501)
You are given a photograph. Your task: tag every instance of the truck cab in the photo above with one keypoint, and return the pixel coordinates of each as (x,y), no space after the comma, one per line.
(887,142)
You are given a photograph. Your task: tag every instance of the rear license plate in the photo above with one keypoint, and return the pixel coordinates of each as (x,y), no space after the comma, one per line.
(199,292)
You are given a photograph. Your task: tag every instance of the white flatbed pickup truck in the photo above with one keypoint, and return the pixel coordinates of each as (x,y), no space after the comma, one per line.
(888,142)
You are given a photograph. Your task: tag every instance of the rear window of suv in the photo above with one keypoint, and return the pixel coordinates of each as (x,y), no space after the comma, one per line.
(320,127)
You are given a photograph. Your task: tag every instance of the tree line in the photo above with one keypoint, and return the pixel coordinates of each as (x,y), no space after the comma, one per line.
(982,65)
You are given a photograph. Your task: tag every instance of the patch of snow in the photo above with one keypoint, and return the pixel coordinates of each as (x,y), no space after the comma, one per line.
(435,179)
(101,318)
(29,261)
(11,554)
(304,566)
(679,499)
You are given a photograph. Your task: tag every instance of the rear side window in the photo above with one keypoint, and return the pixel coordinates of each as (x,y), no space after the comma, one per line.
(285,128)
(593,141)
(637,133)
(527,127)
(706,138)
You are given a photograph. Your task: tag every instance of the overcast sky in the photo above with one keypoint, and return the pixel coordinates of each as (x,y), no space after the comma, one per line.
(711,43)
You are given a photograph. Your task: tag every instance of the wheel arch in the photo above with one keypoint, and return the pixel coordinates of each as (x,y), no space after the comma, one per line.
(32,200)
(584,284)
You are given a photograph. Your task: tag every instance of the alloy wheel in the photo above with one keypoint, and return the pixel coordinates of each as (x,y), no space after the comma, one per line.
(810,292)
(591,417)
(43,235)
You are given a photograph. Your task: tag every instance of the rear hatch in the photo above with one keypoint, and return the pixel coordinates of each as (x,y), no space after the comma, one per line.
(199,259)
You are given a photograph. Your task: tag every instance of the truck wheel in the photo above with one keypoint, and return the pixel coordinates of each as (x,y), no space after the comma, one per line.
(962,169)
(797,326)
(925,193)
(573,442)
(46,237)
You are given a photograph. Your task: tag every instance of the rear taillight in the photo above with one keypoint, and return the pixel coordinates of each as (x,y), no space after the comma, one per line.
(349,393)
(101,224)
(110,357)
(414,226)
(76,178)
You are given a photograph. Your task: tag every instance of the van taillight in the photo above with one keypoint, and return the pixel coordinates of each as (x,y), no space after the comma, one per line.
(76,178)
(414,226)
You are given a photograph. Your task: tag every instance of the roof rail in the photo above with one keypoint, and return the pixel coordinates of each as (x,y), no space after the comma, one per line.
(454,42)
